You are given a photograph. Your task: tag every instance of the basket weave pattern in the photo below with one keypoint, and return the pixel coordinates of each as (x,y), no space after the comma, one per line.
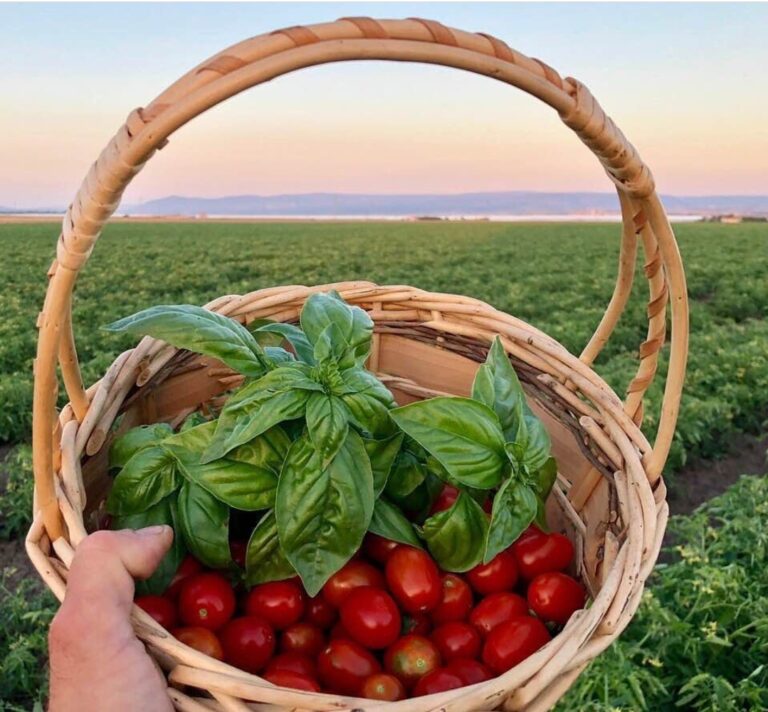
(609,496)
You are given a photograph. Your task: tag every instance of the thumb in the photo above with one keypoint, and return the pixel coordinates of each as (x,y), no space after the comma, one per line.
(106,562)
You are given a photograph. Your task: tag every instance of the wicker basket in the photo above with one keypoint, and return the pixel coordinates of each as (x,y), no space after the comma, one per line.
(609,496)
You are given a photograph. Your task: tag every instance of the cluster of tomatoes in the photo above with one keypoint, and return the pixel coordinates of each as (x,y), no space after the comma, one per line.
(389,624)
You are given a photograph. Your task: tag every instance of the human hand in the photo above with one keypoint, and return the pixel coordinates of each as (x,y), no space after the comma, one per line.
(97,662)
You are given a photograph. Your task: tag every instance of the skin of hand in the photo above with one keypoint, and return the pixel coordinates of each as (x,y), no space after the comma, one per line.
(97,662)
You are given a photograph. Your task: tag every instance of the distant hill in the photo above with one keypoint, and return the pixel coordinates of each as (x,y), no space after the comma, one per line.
(469,204)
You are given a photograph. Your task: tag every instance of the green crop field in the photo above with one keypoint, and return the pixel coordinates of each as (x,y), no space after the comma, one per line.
(702,632)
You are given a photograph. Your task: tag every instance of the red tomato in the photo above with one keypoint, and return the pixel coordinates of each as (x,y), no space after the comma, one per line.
(456,600)
(444,500)
(344,665)
(555,596)
(371,617)
(438,680)
(160,608)
(206,600)
(495,609)
(541,554)
(352,575)
(248,642)
(238,550)
(200,639)
(469,671)
(302,638)
(456,640)
(377,548)
(320,613)
(417,623)
(338,631)
(293,662)
(280,603)
(382,686)
(499,574)
(411,657)
(286,678)
(190,565)
(532,530)
(413,579)
(512,642)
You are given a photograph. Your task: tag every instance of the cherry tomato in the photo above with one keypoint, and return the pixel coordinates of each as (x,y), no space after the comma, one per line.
(411,657)
(238,550)
(377,548)
(248,642)
(206,600)
(413,579)
(382,686)
(469,671)
(499,574)
(190,565)
(456,600)
(338,631)
(512,642)
(302,638)
(280,603)
(495,609)
(160,608)
(532,530)
(555,596)
(344,665)
(438,680)
(541,554)
(417,623)
(320,613)
(286,678)
(293,662)
(456,640)
(352,575)
(200,639)
(371,617)
(444,500)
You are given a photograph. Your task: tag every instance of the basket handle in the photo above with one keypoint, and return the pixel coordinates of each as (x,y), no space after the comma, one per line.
(265,57)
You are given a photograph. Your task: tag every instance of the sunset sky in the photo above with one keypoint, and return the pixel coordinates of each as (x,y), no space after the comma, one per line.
(686,83)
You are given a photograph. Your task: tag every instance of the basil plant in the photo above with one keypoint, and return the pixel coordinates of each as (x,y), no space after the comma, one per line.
(312,452)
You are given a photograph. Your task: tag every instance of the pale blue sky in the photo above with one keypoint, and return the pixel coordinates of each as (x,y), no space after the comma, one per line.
(686,82)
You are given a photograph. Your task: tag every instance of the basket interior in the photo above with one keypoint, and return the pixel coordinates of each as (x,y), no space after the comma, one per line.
(415,361)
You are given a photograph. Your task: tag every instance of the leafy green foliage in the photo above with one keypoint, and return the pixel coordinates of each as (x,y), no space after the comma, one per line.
(16,494)
(700,638)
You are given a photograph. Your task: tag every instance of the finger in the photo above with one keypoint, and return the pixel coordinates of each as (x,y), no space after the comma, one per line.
(106,562)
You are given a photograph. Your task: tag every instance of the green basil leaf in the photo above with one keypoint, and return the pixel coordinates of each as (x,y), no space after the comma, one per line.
(368,400)
(294,336)
(192,421)
(382,454)
(388,521)
(280,395)
(514,508)
(199,330)
(323,513)
(496,385)
(204,524)
(146,478)
(329,347)
(461,433)
(127,445)
(264,558)
(532,440)
(456,536)
(353,326)
(164,512)
(279,356)
(248,483)
(407,474)
(327,424)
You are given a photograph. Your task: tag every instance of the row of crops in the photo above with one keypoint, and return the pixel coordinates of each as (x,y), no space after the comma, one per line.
(558,277)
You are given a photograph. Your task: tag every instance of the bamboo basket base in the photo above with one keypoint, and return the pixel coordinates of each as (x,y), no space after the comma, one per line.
(424,344)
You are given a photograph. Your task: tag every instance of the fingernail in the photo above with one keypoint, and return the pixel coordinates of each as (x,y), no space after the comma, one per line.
(157,530)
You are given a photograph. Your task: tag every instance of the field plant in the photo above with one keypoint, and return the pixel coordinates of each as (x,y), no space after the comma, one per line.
(700,638)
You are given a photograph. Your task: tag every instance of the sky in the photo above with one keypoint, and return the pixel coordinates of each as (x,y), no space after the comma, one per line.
(685,82)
